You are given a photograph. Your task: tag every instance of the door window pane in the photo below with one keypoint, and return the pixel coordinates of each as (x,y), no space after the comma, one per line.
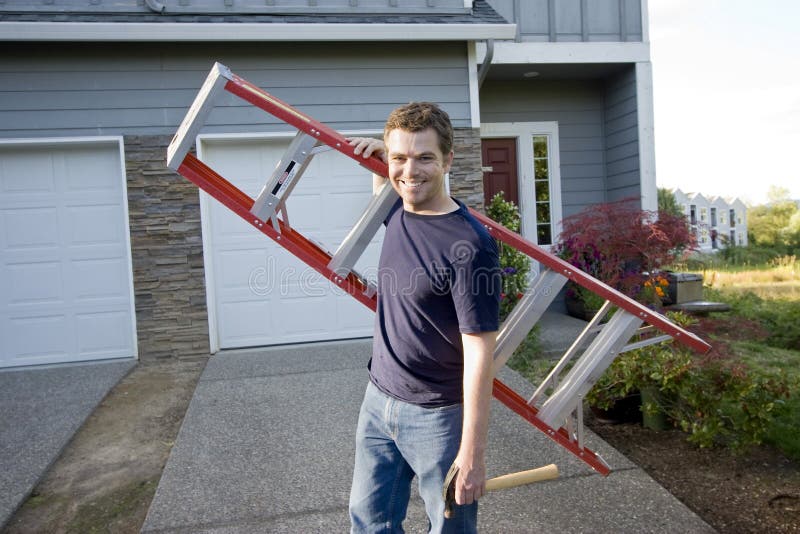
(541,183)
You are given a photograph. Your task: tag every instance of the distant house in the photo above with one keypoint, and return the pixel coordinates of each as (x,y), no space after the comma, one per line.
(105,253)
(717,222)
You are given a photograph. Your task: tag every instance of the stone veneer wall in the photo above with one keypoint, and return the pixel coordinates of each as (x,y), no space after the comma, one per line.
(466,176)
(167,253)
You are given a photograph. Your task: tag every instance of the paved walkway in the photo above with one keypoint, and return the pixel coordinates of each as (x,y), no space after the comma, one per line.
(267,446)
(41,408)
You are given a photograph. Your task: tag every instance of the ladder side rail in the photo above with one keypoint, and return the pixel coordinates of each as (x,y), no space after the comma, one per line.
(525,315)
(594,361)
(517,404)
(304,249)
(325,134)
(551,378)
(645,343)
(196,116)
(595,286)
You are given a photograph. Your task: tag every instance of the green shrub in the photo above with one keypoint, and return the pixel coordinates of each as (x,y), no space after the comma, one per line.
(715,400)
(514,264)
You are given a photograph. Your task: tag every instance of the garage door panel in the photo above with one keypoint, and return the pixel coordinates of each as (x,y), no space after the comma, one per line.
(23,228)
(39,338)
(103,334)
(25,171)
(91,225)
(324,206)
(64,256)
(254,317)
(34,283)
(98,278)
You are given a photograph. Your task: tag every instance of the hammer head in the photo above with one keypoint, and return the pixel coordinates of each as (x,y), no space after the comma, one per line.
(449,491)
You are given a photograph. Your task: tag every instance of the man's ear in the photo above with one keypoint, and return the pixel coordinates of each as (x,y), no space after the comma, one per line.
(448,161)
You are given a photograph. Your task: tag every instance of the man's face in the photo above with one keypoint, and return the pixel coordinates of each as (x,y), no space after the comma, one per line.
(417,168)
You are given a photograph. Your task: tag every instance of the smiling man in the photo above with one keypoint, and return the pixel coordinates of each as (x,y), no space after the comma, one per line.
(427,401)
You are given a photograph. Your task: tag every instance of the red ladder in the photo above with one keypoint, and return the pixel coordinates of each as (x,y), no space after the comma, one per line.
(559,415)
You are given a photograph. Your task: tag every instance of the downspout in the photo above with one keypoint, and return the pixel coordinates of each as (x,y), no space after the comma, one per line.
(487,62)
(156,6)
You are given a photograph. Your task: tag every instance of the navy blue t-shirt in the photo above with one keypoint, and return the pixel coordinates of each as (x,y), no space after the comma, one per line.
(438,277)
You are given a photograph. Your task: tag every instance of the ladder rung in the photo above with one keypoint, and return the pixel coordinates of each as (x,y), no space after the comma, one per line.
(595,359)
(287,173)
(193,121)
(580,341)
(362,233)
(525,314)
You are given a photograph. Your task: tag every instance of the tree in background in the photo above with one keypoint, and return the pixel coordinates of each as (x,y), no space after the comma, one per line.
(667,203)
(770,225)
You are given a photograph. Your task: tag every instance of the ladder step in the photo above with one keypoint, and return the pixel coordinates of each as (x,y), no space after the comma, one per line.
(530,308)
(362,233)
(587,370)
(287,173)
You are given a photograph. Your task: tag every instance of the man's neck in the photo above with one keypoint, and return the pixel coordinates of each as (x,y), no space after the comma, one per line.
(440,207)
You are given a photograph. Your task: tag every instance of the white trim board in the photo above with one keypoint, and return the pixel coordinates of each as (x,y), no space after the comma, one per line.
(579,52)
(175,31)
(525,170)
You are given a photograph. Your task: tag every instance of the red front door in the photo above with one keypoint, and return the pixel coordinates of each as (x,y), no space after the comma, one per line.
(499,158)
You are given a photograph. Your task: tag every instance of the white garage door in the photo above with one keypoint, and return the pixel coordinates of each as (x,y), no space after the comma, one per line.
(259,294)
(65,270)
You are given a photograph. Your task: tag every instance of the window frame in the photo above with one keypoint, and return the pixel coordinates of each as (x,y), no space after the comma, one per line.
(524,132)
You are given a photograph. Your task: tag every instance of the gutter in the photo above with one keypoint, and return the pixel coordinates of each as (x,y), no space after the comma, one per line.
(487,62)
(178,31)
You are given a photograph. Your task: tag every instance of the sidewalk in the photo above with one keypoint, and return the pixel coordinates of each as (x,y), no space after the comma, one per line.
(267,446)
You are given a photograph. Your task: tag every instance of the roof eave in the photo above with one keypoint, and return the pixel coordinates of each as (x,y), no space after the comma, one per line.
(178,31)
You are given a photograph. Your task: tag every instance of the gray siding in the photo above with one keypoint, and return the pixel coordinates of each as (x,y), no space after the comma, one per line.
(113,89)
(622,137)
(573,20)
(578,108)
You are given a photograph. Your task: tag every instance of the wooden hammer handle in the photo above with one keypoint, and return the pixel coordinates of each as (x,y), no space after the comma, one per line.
(512,480)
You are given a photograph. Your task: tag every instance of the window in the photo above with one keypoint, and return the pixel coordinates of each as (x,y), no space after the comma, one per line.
(741,238)
(722,217)
(692,214)
(541,188)
(732,216)
(703,214)
(713,216)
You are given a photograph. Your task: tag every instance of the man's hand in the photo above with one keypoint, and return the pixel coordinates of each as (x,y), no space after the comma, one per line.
(367,146)
(470,484)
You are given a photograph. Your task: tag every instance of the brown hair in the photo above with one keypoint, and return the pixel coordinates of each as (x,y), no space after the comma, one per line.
(418,116)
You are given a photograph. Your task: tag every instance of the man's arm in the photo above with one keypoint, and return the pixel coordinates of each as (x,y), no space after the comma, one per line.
(367,146)
(471,460)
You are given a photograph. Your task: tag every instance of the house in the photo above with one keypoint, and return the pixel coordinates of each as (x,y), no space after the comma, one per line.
(717,222)
(107,254)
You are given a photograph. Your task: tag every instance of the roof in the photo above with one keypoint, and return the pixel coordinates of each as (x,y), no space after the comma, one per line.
(57,23)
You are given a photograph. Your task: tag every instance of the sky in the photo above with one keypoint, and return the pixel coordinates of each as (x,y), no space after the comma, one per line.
(726,90)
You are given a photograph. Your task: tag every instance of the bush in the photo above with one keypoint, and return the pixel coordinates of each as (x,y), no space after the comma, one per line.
(514,264)
(716,400)
(624,246)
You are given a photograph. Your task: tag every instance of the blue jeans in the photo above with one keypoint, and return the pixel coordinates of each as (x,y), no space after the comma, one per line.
(395,441)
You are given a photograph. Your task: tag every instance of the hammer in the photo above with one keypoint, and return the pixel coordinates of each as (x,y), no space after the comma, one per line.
(511,480)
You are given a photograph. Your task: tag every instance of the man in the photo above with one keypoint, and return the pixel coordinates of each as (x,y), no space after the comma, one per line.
(427,402)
